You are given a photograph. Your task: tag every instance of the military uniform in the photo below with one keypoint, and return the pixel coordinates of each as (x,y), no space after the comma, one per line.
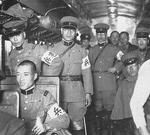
(36,102)
(76,68)
(86,37)
(121,108)
(10,125)
(144,54)
(103,80)
(25,50)
(121,113)
(29,51)
(102,57)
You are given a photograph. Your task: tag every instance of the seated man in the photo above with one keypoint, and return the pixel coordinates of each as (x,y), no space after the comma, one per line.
(38,109)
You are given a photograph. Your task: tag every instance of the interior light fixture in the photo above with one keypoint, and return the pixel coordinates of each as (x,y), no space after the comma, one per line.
(113,15)
(112,9)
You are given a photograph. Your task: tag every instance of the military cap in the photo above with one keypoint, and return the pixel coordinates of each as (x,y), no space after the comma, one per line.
(101,27)
(69,22)
(142,34)
(14,27)
(85,36)
(130,58)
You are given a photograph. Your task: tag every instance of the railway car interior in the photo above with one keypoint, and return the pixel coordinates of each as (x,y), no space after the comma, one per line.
(44,28)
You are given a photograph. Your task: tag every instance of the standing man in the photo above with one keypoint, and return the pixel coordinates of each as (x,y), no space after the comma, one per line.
(121,113)
(15,32)
(142,41)
(140,100)
(102,57)
(38,108)
(85,41)
(114,38)
(75,74)
(125,45)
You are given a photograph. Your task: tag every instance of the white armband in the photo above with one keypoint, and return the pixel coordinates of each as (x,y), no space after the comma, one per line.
(55,111)
(85,63)
(48,57)
(119,55)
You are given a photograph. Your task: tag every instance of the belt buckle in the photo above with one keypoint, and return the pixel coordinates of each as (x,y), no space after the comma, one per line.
(68,78)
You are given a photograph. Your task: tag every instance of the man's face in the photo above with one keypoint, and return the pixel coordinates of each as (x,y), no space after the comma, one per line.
(124,39)
(114,38)
(17,40)
(68,34)
(85,43)
(132,69)
(142,43)
(101,37)
(25,77)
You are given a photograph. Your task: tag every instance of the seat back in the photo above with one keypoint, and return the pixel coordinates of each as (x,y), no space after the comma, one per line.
(50,84)
(9,102)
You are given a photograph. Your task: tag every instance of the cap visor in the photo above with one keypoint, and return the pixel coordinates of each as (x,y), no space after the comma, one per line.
(69,27)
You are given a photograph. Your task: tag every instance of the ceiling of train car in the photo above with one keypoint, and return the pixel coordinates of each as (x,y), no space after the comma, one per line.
(136,9)
(114,8)
(119,14)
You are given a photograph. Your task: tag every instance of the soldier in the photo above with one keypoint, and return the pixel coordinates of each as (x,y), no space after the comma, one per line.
(102,57)
(85,40)
(125,45)
(140,100)
(76,70)
(38,108)
(121,113)
(15,31)
(143,51)
(114,38)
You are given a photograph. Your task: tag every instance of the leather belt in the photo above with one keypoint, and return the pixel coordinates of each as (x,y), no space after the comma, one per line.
(71,78)
(100,71)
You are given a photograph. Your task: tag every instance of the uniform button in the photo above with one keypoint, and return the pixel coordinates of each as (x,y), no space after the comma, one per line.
(25,108)
(18,60)
(26,102)
(99,77)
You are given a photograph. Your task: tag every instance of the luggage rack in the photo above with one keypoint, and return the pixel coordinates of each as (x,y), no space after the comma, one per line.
(5,18)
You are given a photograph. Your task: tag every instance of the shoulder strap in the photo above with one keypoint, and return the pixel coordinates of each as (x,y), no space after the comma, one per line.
(147,55)
(99,54)
(63,53)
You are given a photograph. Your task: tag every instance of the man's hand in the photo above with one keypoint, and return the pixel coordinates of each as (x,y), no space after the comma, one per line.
(88,99)
(39,127)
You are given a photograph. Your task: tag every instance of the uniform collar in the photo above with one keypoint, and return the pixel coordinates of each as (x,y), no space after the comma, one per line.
(68,43)
(143,50)
(101,44)
(22,46)
(28,91)
(19,48)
